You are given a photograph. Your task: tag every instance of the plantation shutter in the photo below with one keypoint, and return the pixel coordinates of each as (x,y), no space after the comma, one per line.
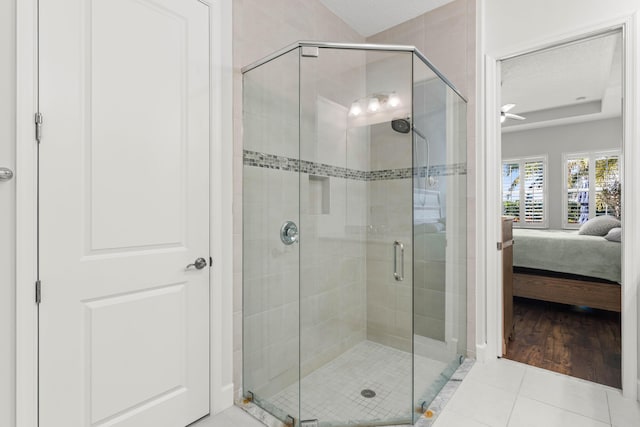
(534,185)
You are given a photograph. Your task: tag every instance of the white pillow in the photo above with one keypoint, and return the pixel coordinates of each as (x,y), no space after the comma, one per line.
(430,227)
(599,226)
(614,235)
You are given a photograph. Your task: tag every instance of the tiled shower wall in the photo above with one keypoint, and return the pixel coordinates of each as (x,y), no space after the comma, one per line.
(445,35)
(333,311)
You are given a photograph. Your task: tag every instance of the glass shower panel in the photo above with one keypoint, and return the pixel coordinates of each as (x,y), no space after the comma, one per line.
(439,233)
(355,202)
(270,248)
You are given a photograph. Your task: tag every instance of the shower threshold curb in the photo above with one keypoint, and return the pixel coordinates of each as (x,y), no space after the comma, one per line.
(435,408)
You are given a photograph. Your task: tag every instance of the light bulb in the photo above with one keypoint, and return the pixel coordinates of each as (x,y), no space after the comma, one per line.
(355,109)
(394,101)
(374,105)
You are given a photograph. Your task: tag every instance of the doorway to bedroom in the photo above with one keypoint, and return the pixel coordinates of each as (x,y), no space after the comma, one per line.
(561,176)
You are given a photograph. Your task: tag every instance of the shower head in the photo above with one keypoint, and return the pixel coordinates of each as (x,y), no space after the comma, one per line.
(404,126)
(401,125)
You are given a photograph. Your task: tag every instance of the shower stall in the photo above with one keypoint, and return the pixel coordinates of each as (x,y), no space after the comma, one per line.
(354,234)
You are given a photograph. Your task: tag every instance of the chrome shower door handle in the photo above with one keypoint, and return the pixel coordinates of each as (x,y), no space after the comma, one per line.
(398,276)
(199,264)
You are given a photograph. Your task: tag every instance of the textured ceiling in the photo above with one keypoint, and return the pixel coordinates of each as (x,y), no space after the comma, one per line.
(369,17)
(561,78)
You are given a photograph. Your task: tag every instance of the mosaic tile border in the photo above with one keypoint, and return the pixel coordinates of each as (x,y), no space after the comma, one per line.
(272,161)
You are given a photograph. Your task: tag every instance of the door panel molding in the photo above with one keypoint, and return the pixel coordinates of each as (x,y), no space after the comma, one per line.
(221,150)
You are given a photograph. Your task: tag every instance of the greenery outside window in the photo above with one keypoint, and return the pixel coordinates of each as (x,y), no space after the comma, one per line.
(583,201)
(524,191)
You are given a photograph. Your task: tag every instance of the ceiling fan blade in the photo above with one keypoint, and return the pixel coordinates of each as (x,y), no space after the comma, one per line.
(514,116)
(507,107)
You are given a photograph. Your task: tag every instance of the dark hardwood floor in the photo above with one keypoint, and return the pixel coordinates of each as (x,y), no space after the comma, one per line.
(583,343)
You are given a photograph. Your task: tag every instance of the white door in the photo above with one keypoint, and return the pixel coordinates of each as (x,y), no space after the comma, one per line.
(124,208)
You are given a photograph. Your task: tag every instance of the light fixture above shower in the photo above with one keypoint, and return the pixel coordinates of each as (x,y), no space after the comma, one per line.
(375,103)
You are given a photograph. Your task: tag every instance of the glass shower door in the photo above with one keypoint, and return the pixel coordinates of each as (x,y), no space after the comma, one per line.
(439,233)
(356,244)
(270,236)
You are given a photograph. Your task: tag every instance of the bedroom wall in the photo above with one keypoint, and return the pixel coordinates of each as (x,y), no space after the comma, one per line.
(508,25)
(553,142)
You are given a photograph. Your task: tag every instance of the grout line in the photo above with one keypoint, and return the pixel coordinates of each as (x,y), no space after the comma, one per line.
(571,410)
(517,395)
(606,395)
(512,408)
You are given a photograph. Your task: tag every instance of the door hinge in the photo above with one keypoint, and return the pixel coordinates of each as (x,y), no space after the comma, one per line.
(38,121)
(499,246)
(210,262)
(38,291)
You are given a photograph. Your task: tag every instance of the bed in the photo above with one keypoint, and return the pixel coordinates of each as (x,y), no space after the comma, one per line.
(566,267)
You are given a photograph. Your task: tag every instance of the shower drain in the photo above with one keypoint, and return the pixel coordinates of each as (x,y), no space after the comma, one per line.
(368,393)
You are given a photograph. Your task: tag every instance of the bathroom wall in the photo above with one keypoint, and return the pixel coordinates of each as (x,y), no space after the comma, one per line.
(261,28)
(447,37)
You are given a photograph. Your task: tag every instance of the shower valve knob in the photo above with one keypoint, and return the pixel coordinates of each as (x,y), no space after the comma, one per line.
(289,233)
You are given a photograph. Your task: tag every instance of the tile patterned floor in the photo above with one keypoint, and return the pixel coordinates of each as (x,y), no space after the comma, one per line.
(510,394)
(332,393)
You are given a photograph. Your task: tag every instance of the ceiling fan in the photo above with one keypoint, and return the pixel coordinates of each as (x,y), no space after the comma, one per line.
(505,114)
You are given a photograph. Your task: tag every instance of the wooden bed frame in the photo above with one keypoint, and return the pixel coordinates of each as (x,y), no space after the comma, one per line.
(548,286)
(605,296)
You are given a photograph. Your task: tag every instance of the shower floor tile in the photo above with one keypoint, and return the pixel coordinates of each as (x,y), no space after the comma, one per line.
(332,394)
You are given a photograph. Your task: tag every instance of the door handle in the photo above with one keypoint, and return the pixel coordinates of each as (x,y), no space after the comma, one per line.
(199,264)
(5,174)
(398,276)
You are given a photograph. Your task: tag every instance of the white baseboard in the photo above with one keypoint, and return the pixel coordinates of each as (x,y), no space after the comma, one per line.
(223,399)
(481,352)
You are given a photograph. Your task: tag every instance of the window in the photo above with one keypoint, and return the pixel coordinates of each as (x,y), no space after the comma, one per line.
(524,195)
(583,201)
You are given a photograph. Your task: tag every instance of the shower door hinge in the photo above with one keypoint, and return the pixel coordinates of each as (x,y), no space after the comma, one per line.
(310,51)
(38,121)
(38,291)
